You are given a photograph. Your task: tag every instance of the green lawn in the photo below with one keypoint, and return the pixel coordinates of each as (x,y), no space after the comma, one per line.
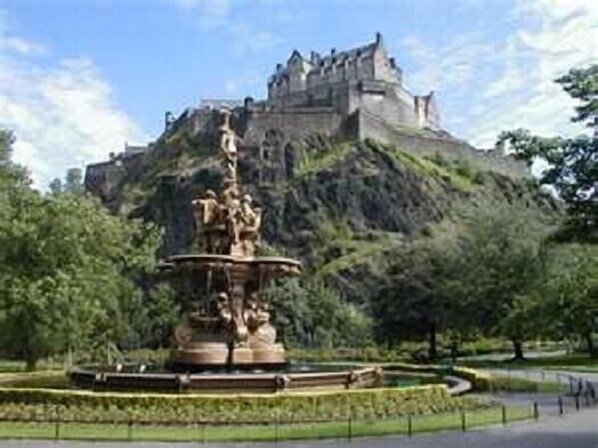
(421,423)
(581,363)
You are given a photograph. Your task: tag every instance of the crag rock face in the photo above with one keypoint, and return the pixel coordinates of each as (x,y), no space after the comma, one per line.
(337,206)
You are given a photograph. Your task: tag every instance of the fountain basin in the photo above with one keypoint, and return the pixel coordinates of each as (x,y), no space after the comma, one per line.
(101,379)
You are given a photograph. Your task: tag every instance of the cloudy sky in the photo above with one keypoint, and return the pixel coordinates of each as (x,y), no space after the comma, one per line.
(79,78)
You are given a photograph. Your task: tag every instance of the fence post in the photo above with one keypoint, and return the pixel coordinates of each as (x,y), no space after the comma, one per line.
(587,397)
(463,421)
(504,414)
(276,426)
(350,428)
(409,425)
(571,384)
(57,425)
(130,430)
(536,412)
(577,402)
(561,411)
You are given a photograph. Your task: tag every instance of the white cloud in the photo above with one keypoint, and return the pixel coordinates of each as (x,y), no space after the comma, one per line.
(211,13)
(509,83)
(62,115)
(243,35)
(245,83)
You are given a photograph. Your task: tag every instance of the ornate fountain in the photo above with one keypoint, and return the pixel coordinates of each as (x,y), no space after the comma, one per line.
(226,322)
(224,339)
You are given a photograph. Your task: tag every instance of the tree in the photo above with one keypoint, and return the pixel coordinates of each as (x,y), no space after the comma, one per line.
(476,275)
(572,292)
(503,253)
(67,273)
(572,162)
(423,294)
(313,315)
(74,181)
(56,186)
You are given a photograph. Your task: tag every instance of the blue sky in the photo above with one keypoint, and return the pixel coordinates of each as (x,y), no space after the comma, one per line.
(78,78)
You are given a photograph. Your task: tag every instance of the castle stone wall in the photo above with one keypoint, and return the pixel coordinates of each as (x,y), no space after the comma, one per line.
(292,123)
(370,126)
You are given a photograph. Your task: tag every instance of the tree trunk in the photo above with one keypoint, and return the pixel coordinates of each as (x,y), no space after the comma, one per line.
(432,352)
(518,349)
(31,362)
(590,344)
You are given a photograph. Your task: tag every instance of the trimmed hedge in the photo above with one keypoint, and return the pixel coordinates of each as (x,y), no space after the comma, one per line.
(480,381)
(47,404)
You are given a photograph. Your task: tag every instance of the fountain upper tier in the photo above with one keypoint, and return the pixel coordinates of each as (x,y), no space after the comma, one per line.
(258,267)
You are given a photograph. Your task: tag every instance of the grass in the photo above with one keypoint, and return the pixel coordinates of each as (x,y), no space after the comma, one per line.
(318,160)
(576,362)
(427,167)
(317,430)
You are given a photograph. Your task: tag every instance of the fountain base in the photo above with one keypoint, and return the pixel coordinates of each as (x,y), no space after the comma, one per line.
(208,355)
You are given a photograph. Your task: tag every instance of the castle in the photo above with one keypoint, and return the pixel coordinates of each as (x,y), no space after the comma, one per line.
(364,78)
(356,94)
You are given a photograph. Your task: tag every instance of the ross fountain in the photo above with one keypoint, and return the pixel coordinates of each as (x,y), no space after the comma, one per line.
(226,322)
(225,340)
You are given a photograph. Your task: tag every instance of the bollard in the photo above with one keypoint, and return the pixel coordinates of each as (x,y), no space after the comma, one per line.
(561,411)
(587,393)
(463,421)
(504,414)
(577,402)
(536,412)
(409,425)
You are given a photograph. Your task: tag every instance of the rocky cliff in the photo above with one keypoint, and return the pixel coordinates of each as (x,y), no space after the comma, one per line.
(339,206)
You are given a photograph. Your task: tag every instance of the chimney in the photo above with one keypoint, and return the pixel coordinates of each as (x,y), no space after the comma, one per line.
(393,63)
(378,38)
(333,52)
(314,57)
(278,67)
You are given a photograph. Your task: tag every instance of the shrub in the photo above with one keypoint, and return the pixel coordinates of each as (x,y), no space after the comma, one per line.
(170,408)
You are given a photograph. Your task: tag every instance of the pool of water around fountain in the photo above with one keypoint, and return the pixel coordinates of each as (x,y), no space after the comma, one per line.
(299,376)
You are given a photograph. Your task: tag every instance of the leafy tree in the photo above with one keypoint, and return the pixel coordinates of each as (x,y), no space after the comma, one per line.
(473,276)
(74,181)
(56,186)
(313,315)
(67,270)
(572,162)
(423,294)
(571,292)
(503,257)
